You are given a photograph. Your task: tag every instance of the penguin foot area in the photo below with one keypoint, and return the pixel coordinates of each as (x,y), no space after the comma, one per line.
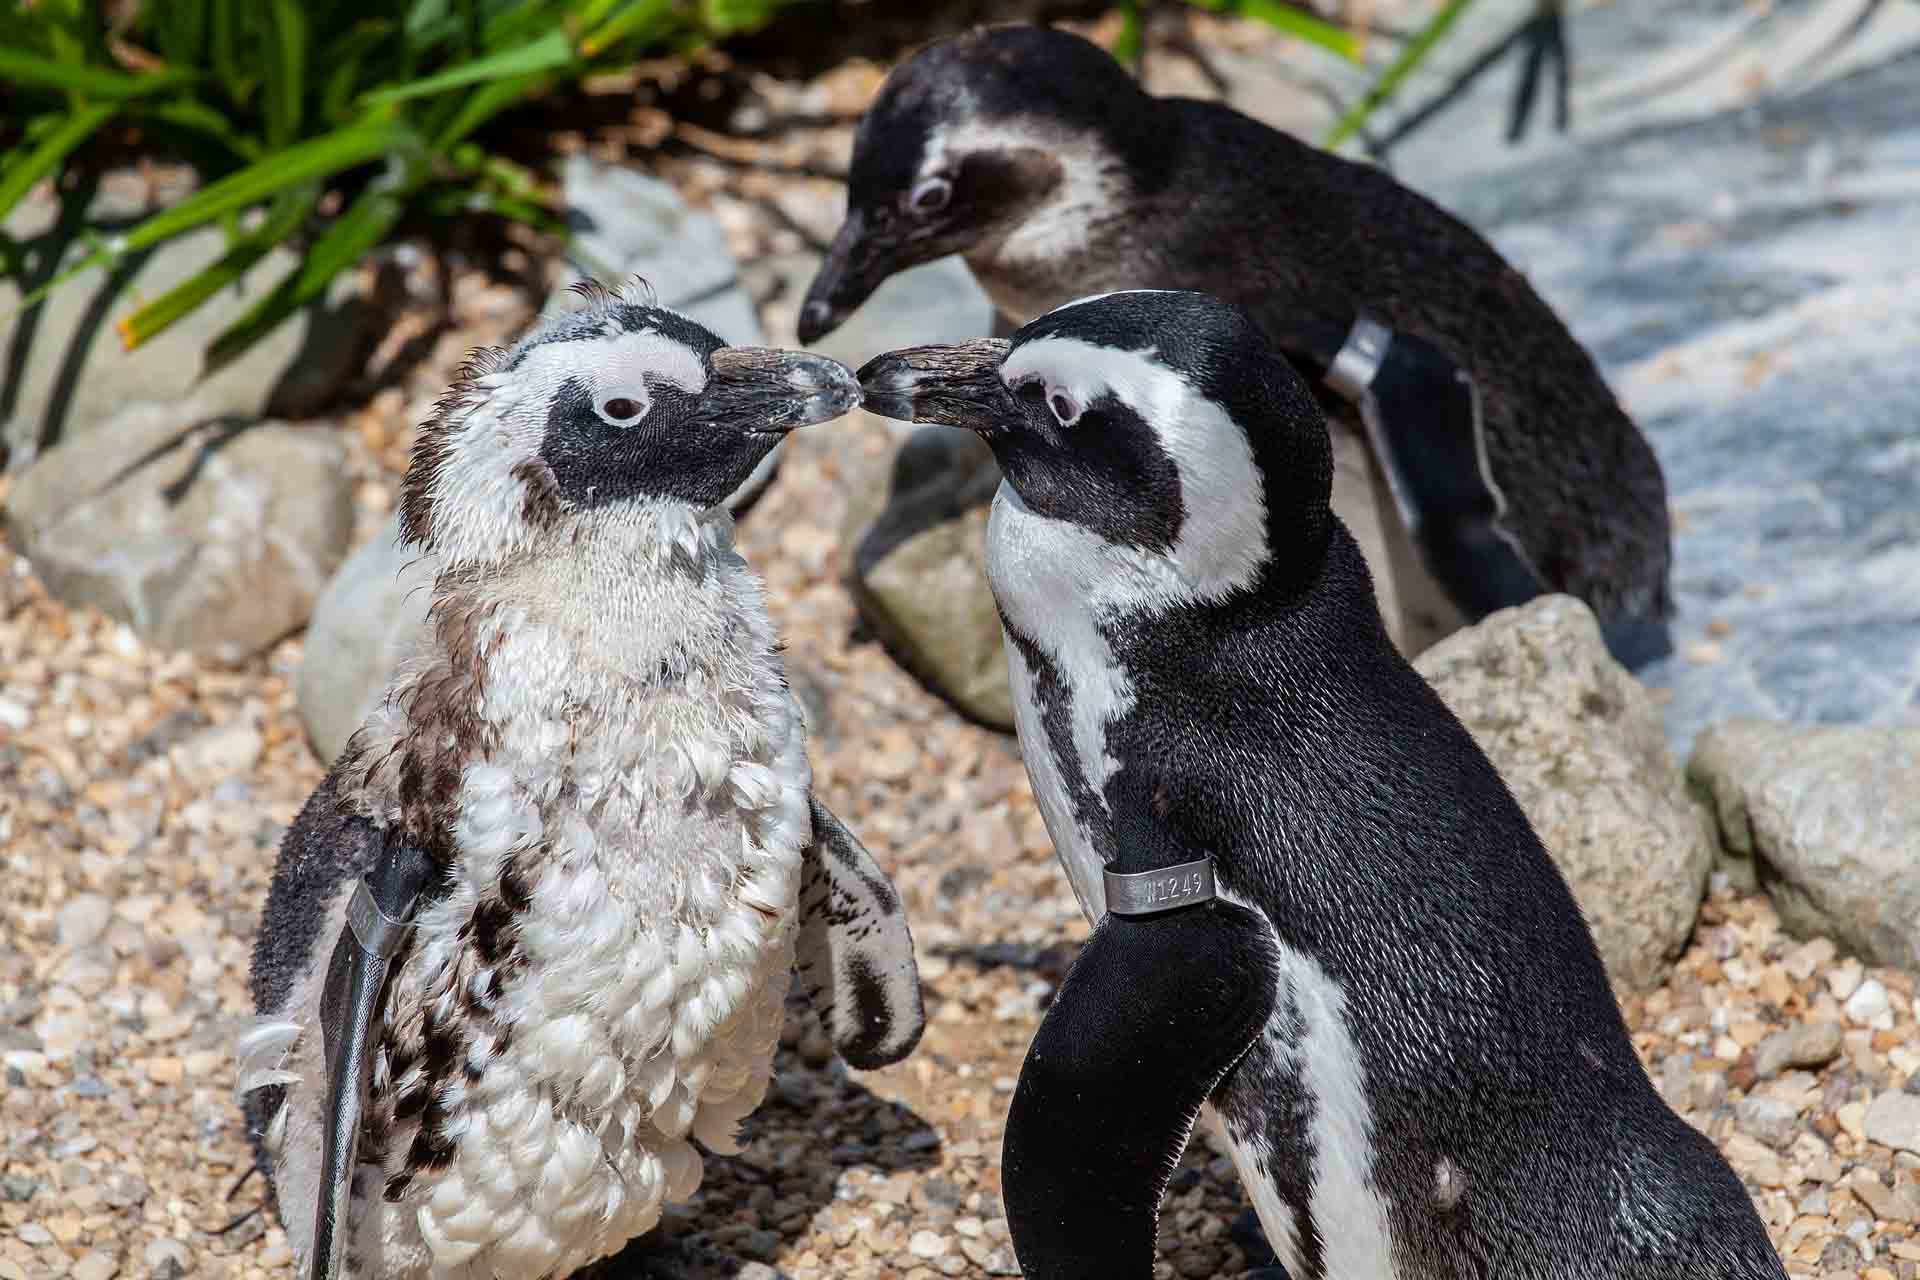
(654,1257)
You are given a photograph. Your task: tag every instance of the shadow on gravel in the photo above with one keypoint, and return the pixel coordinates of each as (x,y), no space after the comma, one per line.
(760,1204)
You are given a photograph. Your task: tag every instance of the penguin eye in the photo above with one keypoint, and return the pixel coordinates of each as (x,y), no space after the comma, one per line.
(930,196)
(1066,410)
(621,411)
(1033,391)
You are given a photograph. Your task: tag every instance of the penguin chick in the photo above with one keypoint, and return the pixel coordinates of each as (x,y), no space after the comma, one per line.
(578,832)
(1317,906)
(1481,456)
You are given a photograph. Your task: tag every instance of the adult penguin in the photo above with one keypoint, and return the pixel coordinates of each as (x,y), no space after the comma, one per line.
(1480,457)
(1318,907)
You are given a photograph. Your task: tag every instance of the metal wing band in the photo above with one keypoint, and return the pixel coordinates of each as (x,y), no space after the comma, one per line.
(1147,893)
(1356,363)
(379,933)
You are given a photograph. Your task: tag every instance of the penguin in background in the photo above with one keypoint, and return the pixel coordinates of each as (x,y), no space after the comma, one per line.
(1480,457)
(1317,908)
(531,939)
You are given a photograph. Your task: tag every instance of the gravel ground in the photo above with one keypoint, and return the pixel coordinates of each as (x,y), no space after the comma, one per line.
(142,797)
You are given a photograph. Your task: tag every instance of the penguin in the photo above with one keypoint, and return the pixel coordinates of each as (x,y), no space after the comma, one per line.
(530,940)
(1318,910)
(1480,455)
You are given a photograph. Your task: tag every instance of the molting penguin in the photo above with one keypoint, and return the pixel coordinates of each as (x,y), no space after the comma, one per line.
(1480,457)
(531,938)
(1317,906)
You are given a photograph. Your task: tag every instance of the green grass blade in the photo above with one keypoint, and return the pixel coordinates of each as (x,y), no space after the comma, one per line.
(1294,22)
(485,103)
(650,14)
(548,52)
(1391,79)
(229,65)
(154,318)
(200,118)
(1128,45)
(285,84)
(22,171)
(22,68)
(323,157)
(352,235)
(344,57)
(182,30)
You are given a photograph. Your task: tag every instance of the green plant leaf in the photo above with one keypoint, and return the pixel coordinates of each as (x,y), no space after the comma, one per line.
(1128,46)
(1295,22)
(353,234)
(321,158)
(1391,79)
(289,210)
(485,103)
(22,171)
(182,30)
(201,118)
(548,52)
(344,57)
(20,67)
(286,80)
(653,15)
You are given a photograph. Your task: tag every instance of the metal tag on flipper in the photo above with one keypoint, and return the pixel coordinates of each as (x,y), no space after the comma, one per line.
(1422,414)
(1147,893)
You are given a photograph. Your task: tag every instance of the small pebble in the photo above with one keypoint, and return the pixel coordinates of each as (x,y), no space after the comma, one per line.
(82,919)
(1893,1120)
(925,1244)
(1805,1044)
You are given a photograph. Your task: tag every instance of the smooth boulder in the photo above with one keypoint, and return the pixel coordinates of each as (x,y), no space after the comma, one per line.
(215,538)
(1581,745)
(1830,817)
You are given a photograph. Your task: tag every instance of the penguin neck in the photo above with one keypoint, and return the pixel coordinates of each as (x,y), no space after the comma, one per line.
(1030,262)
(637,605)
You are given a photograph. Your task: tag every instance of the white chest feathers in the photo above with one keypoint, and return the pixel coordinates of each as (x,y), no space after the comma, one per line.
(604,982)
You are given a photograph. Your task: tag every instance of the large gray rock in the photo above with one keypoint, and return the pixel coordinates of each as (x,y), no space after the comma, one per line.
(919,569)
(1831,819)
(212,538)
(1748,282)
(1580,744)
(67,372)
(362,625)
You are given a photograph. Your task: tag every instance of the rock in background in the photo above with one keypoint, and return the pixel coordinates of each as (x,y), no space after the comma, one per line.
(212,538)
(1748,284)
(1831,820)
(1579,742)
(66,373)
(918,533)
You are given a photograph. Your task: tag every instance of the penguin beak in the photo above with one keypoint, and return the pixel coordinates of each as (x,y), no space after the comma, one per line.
(956,386)
(858,262)
(762,391)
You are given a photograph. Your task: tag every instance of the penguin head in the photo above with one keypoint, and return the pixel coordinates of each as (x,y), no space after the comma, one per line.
(600,413)
(1188,459)
(1015,139)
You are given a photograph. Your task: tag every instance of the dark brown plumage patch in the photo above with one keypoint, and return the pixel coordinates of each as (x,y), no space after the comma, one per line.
(540,497)
(430,446)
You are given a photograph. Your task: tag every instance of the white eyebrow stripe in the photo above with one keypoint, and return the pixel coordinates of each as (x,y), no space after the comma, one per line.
(619,359)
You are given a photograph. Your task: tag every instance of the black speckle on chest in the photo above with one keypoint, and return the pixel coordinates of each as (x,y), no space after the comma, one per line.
(1053,698)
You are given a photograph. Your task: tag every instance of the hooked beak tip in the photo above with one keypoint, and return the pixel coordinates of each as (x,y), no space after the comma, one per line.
(817,320)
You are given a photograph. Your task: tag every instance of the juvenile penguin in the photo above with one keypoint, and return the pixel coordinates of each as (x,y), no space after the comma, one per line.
(531,938)
(1480,456)
(1317,906)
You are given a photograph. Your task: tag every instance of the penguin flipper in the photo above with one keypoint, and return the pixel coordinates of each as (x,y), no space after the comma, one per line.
(1422,414)
(855,952)
(351,1008)
(1149,1020)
